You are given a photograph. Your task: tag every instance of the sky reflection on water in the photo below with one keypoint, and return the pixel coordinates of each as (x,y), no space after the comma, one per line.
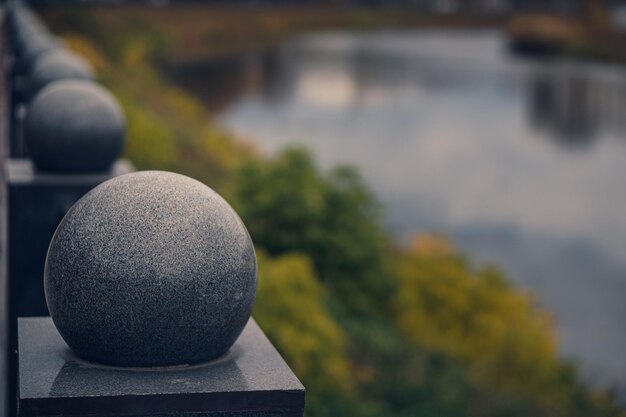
(522,163)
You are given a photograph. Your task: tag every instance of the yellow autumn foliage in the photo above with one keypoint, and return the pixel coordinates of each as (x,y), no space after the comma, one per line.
(444,304)
(290,307)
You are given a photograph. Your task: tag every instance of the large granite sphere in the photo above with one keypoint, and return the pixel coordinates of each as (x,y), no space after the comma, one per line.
(74,125)
(150,269)
(55,65)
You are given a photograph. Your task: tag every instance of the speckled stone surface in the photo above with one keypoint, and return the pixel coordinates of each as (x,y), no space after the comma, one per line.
(252,380)
(74,126)
(55,65)
(150,268)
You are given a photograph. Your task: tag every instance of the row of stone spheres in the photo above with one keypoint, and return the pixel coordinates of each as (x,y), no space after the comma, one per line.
(70,122)
(147,269)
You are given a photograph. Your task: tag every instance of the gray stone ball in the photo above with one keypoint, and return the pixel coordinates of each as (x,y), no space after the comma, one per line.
(74,126)
(55,65)
(30,46)
(150,269)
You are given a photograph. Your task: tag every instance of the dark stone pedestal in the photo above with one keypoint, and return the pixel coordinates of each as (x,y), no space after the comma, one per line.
(251,380)
(37,203)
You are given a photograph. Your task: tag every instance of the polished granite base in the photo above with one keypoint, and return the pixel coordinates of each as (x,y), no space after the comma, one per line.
(251,380)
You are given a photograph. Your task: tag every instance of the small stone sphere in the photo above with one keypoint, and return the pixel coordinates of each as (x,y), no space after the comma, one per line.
(55,65)
(74,125)
(150,269)
(30,46)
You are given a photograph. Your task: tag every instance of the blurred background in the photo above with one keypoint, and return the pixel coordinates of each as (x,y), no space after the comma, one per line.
(435,187)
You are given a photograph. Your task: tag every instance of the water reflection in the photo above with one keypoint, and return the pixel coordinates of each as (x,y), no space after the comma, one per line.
(575,104)
(219,82)
(457,135)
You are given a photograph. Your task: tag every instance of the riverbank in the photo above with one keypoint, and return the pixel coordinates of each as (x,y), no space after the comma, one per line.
(210,33)
(585,38)
(217,32)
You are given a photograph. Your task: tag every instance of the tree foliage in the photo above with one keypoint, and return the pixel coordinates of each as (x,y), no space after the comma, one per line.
(291,308)
(288,205)
(475,316)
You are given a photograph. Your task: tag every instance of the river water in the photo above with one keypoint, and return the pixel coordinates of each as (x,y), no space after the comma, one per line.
(522,162)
